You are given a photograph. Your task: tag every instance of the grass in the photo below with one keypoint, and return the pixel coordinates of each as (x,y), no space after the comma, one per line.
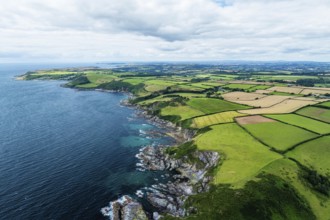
(314,154)
(244,155)
(325,104)
(289,171)
(218,118)
(184,112)
(96,78)
(155,88)
(239,86)
(258,87)
(301,121)
(278,135)
(211,105)
(316,113)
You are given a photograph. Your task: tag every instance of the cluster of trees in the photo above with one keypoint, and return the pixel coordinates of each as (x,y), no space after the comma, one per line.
(317,181)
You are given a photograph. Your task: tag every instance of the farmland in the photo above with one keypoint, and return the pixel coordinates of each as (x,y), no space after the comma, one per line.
(244,155)
(316,113)
(300,121)
(287,106)
(278,135)
(272,129)
(218,118)
(184,112)
(210,105)
(314,154)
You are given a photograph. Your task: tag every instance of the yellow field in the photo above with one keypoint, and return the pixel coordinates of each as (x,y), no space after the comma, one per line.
(243,96)
(261,91)
(295,90)
(287,106)
(265,102)
(316,91)
(218,118)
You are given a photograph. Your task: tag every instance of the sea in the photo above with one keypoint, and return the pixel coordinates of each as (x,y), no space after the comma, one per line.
(65,153)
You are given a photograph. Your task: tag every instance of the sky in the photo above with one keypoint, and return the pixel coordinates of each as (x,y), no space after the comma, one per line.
(164,30)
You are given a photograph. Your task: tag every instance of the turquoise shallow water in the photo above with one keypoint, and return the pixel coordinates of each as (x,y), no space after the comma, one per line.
(64,154)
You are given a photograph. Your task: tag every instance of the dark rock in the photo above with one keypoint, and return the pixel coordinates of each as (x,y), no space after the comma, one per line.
(124,208)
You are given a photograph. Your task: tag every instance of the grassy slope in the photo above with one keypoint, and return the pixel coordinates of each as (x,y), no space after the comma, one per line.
(317,113)
(244,156)
(269,198)
(184,112)
(314,154)
(289,171)
(300,121)
(279,135)
(211,105)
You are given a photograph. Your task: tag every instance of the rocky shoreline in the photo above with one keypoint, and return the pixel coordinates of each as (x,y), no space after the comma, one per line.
(191,177)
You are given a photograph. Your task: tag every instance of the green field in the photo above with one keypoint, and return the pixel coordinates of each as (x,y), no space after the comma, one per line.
(301,121)
(184,112)
(218,118)
(258,87)
(317,113)
(289,171)
(314,154)
(212,105)
(244,156)
(325,104)
(278,135)
(239,86)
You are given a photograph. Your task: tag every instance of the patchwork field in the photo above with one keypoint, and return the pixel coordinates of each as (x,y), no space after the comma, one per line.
(314,154)
(244,156)
(289,171)
(262,91)
(316,91)
(184,112)
(212,105)
(238,86)
(255,119)
(263,102)
(241,96)
(301,121)
(295,90)
(317,113)
(218,118)
(259,87)
(278,135)
(286,106)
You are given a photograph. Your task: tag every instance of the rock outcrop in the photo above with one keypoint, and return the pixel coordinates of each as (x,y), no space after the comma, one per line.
(124,208)
(192,177)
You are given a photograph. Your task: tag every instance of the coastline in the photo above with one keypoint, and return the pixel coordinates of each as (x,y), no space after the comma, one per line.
(188,177)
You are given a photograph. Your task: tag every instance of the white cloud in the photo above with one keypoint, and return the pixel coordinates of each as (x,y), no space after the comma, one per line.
(164,30)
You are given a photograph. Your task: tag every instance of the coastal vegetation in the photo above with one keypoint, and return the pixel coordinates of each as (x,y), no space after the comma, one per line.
(271,130)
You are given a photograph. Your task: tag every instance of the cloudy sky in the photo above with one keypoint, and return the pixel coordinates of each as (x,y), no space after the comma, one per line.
(164,30)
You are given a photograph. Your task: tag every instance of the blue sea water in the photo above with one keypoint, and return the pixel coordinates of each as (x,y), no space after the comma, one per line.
(64,153)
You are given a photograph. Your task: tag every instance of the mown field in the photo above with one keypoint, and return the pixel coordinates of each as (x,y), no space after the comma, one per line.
(218,118)
(211,105)
(316,113)
(278,135)
(303,122)
(244,155)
